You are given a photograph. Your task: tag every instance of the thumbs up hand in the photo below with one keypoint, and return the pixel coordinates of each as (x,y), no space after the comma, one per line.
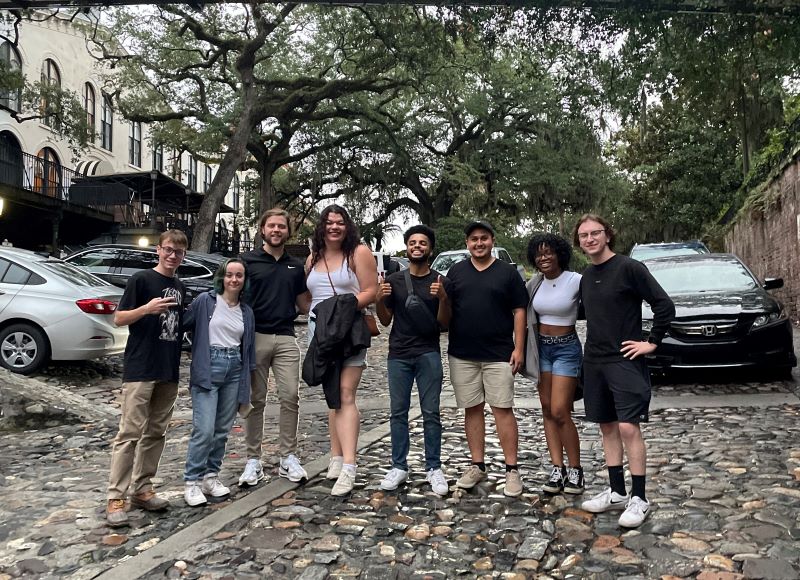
(437,288)
(384,288)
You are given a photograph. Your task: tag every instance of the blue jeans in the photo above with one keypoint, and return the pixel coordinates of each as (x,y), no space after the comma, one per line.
(213,412)
(427,370)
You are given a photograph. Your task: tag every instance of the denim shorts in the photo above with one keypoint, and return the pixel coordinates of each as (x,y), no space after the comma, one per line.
(562,357)
(357,360)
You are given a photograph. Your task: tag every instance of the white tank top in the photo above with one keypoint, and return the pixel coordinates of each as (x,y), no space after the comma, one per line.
(344,280)
(556,301)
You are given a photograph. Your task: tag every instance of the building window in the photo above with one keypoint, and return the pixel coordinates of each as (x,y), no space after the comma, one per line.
(177,168)
(207,178)
(11,62)
(158,157)
(90,106)
(135,144)
(236,193)
(47,174)
(192,173)
(106,123)
(51,77)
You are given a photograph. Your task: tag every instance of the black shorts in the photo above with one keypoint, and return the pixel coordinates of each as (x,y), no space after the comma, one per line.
(616,391)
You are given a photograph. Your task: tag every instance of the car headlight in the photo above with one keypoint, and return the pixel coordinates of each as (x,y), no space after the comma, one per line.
(764,319)
(647,325)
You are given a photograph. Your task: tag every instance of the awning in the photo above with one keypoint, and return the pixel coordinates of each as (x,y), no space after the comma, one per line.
(93,167)
(143,187)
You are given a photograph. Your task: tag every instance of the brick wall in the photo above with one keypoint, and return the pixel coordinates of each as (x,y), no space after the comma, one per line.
(769,242)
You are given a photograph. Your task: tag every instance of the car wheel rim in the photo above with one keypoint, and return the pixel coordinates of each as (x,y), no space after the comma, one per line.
(18,350)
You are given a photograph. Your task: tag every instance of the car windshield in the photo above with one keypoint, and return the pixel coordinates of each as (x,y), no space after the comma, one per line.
(704,276)
(73,274)
(446,261)
(647,253)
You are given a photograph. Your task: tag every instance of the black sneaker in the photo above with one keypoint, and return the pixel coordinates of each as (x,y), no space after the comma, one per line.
(573,482)
(555,481)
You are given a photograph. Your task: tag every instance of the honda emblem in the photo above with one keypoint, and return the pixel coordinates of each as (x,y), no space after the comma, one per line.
(709,330)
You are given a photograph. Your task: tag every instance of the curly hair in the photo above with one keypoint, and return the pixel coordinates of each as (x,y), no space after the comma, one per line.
(351,240)
(219,277)
(556,243)
(420,229)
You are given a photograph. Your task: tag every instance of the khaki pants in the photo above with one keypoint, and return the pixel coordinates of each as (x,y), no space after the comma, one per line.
(146,411)
(282,354)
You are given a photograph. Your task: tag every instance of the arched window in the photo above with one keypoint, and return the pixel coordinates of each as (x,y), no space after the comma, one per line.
(106,123)
(47,175)
(51,77)
(90,106)
(10,60)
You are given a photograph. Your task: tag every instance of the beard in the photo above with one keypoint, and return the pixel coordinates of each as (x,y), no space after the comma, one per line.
(272,244)
(423,259)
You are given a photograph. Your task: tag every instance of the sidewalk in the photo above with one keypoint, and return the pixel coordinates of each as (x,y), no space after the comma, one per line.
(724,477)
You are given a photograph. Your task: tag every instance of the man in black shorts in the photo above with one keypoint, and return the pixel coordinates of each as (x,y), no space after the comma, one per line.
(615,374)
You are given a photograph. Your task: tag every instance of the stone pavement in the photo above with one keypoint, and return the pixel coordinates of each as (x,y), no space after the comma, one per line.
(723,466)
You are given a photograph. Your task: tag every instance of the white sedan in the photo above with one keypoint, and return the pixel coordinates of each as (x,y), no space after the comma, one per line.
(51,310)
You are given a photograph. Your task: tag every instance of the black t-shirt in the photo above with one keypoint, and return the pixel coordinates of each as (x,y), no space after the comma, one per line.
(153,352)
(274,286)
(482,326)
(404,341)
(611,295)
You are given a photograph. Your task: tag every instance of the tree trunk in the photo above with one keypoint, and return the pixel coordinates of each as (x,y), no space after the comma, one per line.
(234,156)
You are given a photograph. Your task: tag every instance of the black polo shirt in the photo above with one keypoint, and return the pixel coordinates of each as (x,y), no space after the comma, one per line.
(274,286)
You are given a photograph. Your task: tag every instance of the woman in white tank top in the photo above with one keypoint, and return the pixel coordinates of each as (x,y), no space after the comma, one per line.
(338,260)
(552,311)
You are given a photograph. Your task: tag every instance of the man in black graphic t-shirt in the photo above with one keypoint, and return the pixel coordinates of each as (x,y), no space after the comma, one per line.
(616,386)
(414,355)
(487,341)
(151,307)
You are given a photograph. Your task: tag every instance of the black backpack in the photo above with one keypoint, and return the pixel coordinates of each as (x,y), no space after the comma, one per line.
(418,313)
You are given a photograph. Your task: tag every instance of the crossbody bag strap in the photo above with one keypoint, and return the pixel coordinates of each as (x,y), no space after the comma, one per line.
(409,286)
(328,272)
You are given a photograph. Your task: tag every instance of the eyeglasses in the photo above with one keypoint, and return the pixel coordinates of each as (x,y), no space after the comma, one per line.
(168,251)
(545,254)
(592,234)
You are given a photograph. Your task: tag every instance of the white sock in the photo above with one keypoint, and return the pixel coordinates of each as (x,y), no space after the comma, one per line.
(350,468)
(338,457)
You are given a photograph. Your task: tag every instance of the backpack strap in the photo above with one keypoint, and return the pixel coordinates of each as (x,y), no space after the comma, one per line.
(409,286)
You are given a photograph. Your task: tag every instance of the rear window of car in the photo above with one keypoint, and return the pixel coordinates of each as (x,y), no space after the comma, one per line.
(190,269)
(73,274)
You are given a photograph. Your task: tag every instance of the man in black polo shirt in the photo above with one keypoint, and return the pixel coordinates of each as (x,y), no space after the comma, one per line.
(277,291)
(414,355)
(487,343)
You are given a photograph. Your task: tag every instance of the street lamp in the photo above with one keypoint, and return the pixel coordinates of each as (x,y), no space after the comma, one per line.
(153,178)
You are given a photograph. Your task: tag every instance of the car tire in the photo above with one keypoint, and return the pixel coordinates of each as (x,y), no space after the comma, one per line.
(23,348)
(781,373)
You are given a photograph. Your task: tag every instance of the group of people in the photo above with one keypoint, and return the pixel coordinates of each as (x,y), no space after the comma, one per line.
(497,327)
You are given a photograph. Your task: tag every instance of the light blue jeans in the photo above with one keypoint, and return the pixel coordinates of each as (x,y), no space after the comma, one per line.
(213,412)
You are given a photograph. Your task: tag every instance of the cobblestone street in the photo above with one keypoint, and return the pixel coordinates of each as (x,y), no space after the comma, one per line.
(723,476)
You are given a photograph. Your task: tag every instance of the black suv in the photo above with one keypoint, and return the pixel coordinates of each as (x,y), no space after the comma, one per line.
(116,263)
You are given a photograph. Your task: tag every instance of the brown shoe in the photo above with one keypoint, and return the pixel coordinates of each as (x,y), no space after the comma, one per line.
(116,516)
(149,501)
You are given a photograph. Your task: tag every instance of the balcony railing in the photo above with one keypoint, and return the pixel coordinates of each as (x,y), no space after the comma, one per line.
(38,174)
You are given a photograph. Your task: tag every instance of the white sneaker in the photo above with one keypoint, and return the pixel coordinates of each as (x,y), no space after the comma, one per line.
(438,481)
(605,501)
(213,486)
(193,494)
(252,474)
(335,467)
(635,513)
(291,469)
(344,483)
(394,478)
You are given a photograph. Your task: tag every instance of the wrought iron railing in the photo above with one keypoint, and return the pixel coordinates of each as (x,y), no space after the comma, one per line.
(42,175)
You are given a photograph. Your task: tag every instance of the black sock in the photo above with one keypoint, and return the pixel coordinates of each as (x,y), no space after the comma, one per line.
(637,486)
(616,478)
(481,465)
(510,467)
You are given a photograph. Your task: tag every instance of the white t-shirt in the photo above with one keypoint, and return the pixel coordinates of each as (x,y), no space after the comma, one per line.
(227,325)
(556,301)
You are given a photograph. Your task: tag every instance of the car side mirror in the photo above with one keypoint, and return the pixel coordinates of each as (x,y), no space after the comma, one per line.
(773,283)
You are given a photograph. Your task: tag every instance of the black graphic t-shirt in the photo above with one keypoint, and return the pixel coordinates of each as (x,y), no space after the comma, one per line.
(153,351)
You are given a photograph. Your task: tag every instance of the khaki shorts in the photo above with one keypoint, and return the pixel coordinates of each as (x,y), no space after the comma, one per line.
(476,382)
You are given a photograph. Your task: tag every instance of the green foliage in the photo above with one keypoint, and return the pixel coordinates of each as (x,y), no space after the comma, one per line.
(450,234)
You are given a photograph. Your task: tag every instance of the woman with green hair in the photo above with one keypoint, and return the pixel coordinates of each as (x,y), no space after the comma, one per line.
(223,356)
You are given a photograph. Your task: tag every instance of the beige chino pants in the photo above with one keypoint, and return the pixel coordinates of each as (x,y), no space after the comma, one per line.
(282,355)
(146,412)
